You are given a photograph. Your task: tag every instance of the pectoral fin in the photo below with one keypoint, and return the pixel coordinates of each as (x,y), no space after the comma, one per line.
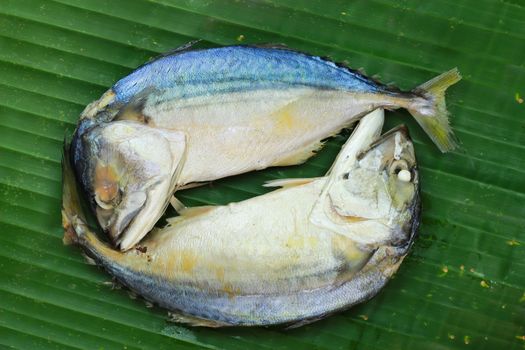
(177,205)
(188,212)
(301,155)
(192,185)
(289,182)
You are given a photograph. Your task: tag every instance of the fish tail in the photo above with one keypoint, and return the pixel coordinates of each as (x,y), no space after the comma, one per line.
(76,230)
(70,235)
(430,110)
(73,218)
(96,252)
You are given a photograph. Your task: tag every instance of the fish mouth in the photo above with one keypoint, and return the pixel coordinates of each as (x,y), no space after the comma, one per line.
(142,210)
(116,221)
(125,223)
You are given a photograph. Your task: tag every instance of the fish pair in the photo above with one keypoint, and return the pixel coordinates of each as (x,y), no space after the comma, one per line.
(294,255)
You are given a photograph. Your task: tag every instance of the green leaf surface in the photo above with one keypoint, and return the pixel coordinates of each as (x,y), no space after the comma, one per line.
(462,285)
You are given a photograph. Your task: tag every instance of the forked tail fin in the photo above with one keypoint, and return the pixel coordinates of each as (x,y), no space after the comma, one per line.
(71,206)
(76,230)
(430,109)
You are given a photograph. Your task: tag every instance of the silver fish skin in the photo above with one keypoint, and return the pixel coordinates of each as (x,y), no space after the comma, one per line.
(218,112)
(292,256)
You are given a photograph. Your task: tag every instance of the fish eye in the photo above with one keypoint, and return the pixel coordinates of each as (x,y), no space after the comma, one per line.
(106,187)
(108,200)
(401,169)
(397,166)
(404,175)
(102,204)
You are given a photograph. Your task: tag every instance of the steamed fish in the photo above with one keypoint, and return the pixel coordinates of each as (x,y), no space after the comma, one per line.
(201,115)
(291,256)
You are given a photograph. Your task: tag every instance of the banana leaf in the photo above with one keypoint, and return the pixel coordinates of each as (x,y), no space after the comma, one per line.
(463,283)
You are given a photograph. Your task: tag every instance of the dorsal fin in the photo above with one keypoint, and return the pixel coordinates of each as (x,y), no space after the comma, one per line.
(189,46)
(178,50)
(173,52)
(279,46)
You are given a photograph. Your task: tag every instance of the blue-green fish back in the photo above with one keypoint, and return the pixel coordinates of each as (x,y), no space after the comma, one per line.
(239,68)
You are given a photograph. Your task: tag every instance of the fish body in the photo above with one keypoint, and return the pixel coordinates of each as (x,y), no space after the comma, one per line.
(240,109)
(294,255)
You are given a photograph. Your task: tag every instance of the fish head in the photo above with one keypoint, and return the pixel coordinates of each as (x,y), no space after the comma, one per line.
(391,160)
(374,198)
(383,187)
(127,171)
(371,193)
